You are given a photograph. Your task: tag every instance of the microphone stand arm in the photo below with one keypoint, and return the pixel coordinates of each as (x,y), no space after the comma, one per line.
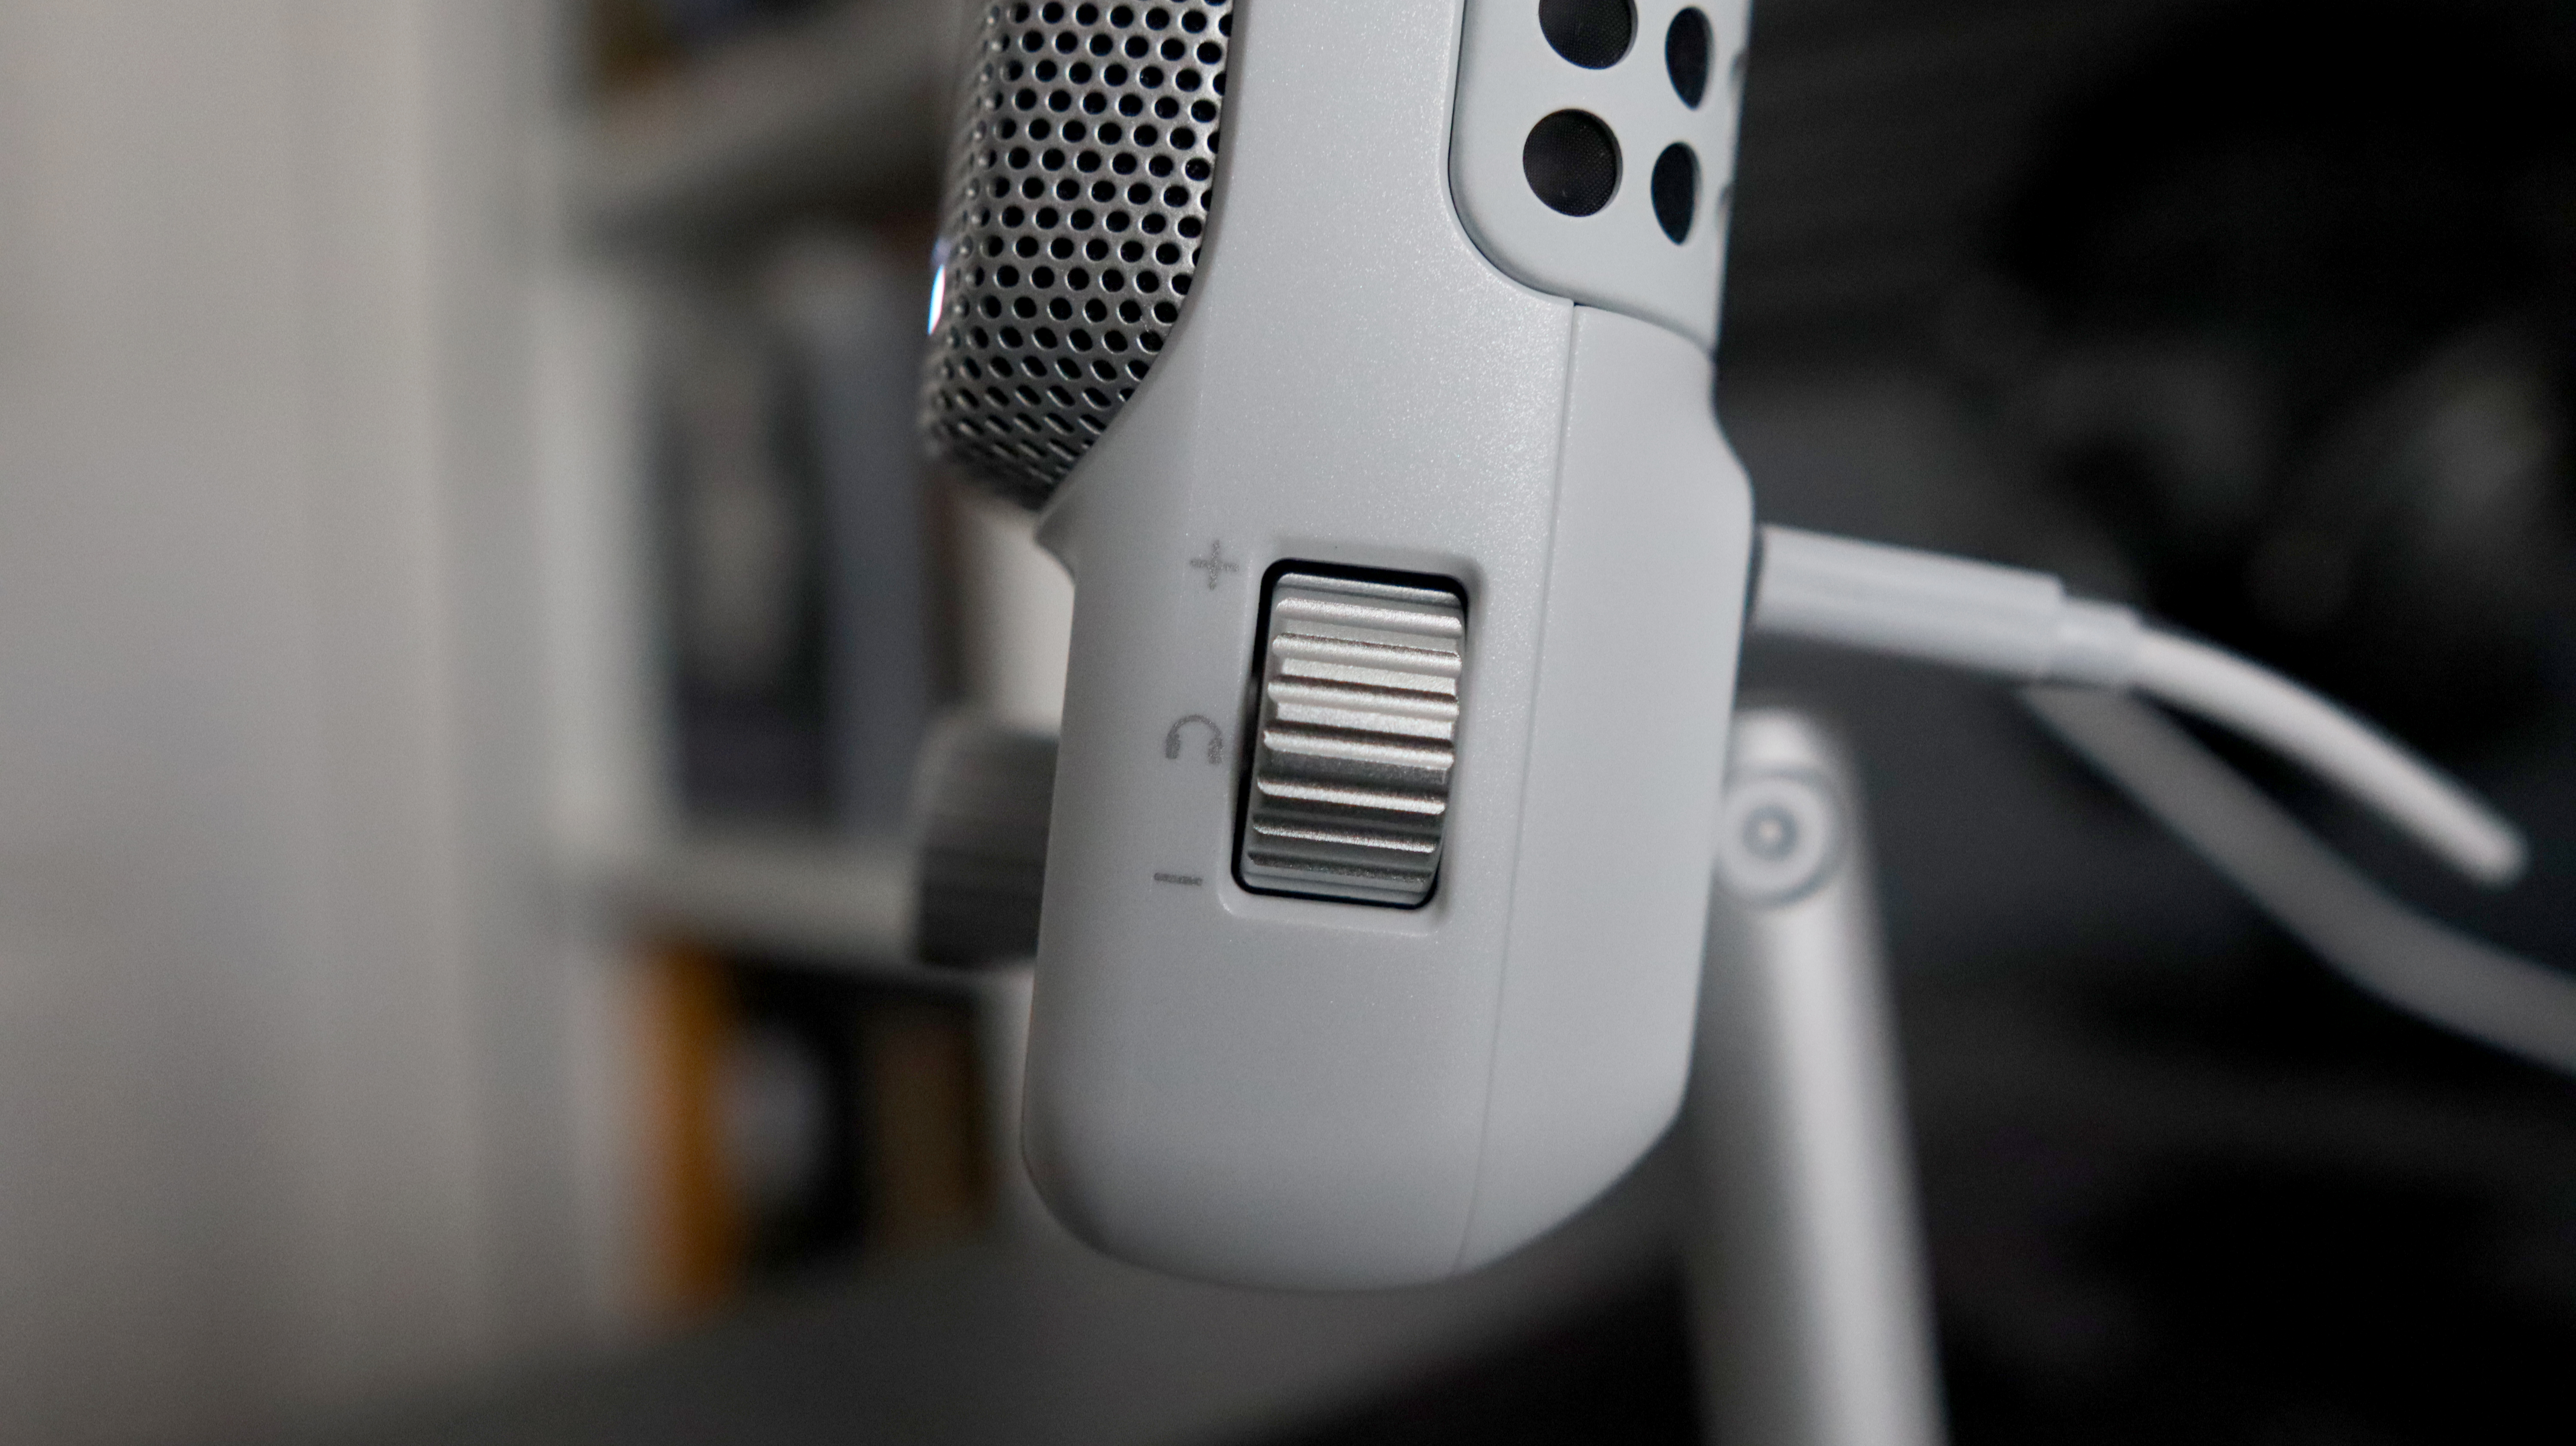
(1808,1287)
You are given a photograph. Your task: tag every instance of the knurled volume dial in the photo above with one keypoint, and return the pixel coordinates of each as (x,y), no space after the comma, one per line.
(1357,735)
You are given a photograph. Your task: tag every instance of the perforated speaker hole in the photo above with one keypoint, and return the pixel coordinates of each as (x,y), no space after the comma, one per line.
(1087,141)
(1591,33)
(1674,188)
(1687,46)
(1571,161)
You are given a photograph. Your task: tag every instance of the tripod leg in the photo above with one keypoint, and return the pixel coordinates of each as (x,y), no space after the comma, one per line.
(1807,1276)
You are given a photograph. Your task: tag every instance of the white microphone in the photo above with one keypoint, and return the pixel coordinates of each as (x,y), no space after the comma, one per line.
(1359,354)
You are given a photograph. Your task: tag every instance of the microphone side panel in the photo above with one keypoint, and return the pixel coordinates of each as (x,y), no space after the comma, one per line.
(1287,1091)
(1245,1086)
(1636,680)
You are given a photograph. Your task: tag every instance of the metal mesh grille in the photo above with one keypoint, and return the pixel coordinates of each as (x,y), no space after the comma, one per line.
(1086,144)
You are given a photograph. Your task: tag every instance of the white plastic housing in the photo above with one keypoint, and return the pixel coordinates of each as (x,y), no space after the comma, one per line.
(1297,1092)
(1617,257)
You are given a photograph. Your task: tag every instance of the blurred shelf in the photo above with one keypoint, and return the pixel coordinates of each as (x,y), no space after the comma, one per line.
(848,903)
(850,105)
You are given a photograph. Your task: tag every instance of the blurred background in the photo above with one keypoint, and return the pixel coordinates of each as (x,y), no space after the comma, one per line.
(470,600)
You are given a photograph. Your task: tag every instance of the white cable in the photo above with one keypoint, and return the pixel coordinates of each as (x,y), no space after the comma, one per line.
(2021,625)
(2411,961)
(2264,706)
(1974,615)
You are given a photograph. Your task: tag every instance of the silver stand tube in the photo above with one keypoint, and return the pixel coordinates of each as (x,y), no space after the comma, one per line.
(1808,1280)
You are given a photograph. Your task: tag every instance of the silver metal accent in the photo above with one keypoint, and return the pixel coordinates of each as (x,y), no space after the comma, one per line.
(1779,835)
(1086,147)
(982,800)
(1815,1319)
(1357,735)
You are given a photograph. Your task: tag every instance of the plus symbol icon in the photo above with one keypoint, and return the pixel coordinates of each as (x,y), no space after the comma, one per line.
(1216,564)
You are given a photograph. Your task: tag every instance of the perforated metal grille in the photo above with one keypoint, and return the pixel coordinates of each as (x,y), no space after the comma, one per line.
(1087,141)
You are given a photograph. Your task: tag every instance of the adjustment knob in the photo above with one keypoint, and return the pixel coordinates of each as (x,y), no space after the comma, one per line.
(1357,734)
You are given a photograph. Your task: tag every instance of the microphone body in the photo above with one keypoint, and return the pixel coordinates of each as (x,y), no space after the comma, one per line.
(1256,1056)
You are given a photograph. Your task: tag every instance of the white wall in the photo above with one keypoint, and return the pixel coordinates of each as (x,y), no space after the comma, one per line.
(291,1030)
